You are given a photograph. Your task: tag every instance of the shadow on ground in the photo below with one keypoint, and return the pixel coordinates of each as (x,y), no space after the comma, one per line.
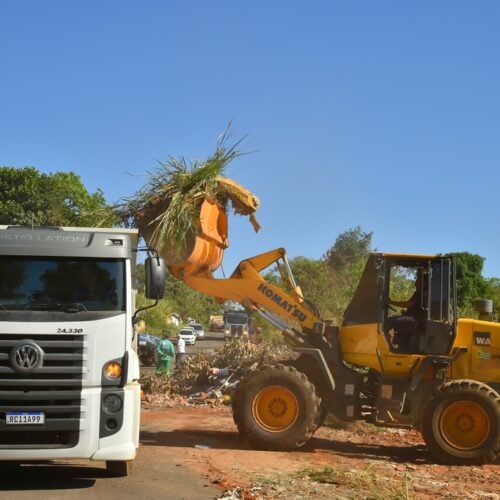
(47,476)
(232,441)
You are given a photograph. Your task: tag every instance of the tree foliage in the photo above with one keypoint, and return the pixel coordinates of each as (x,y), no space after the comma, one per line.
(346,259)
(315,278)
(493,293)
(471,284)
(188,302)
(29,197)
(350,248)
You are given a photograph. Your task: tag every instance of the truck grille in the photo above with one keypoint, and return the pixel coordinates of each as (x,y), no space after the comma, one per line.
(54,387)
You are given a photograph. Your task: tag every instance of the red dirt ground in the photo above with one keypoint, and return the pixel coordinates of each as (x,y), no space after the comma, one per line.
(361,461)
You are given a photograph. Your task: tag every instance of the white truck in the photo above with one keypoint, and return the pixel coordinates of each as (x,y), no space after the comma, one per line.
(235,324)
(68,367)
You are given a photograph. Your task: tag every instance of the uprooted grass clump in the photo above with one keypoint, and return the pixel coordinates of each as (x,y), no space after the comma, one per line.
(193,374)
(166,209)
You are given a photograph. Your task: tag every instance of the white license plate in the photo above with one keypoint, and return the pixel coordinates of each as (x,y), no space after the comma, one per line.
(24,417)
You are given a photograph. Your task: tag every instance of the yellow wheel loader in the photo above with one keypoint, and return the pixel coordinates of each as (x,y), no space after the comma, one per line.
(436,373)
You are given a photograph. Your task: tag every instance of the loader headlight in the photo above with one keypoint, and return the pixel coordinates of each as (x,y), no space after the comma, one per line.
(113,370)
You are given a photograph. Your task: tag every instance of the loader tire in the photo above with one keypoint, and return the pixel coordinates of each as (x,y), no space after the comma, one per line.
(276,408)
(461,423)
(306,366)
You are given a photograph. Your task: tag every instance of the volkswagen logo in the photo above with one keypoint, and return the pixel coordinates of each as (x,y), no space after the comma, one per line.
(26,356)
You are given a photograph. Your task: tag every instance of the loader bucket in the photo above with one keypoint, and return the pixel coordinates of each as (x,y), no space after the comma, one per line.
(203,252)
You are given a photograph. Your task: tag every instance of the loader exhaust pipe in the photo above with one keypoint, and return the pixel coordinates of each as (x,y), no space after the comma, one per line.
(485,309)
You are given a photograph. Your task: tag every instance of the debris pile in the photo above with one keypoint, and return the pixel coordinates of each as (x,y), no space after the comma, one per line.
(210,377)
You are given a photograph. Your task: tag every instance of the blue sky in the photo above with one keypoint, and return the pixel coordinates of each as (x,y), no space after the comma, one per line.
(383,114)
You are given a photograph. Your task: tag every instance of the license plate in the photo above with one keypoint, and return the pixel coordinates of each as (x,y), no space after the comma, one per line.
(24,417)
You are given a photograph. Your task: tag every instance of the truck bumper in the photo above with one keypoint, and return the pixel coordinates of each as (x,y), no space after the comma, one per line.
(120,446)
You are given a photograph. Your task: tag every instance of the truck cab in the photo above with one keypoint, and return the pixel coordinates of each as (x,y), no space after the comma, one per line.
(68,367)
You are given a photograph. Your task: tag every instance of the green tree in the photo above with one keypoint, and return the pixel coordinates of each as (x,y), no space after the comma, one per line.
(188,302)
(350,248)
(316,279)
(60,199)
(347,258)
(155,318)
(493,293)
(471,284)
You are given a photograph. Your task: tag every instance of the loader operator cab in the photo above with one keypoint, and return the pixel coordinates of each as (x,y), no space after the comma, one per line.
(412,298)
(406,310)
(418,312)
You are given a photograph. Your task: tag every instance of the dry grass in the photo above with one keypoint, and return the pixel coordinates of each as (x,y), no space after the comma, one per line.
(166,209)
(338,483)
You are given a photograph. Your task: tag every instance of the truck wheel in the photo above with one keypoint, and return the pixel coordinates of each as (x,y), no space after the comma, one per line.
(461,424)
(119,468)
(276,408)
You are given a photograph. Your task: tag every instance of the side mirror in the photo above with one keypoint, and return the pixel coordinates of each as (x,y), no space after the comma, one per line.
(156,276)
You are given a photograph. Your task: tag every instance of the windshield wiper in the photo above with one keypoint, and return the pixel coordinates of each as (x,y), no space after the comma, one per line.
(70,307)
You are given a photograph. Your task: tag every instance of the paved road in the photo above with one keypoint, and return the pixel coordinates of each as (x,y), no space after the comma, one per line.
(212,341)
(154,476)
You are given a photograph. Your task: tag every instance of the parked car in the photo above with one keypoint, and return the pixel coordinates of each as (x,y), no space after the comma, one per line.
(188,334)
(198,330)
(146,349)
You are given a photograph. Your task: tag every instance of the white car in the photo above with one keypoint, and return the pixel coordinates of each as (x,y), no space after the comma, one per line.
(188,334)
(198,330)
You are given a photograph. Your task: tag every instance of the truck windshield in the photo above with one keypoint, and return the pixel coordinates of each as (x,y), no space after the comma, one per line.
(65,284)
(237,318)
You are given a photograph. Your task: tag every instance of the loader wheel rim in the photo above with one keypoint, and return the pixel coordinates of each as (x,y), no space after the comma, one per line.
(465,425)
(275,408)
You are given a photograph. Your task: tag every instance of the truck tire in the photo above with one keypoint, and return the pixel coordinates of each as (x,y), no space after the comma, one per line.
(276,408)
(461,424)
(119,468)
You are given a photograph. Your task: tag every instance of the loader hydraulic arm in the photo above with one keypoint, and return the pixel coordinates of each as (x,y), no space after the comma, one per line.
(287,310)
